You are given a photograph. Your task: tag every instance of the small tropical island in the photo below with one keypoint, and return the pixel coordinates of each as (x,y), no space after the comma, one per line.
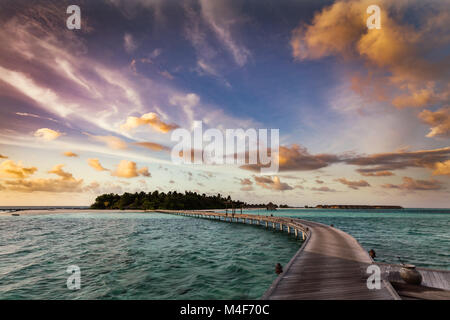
(173,200)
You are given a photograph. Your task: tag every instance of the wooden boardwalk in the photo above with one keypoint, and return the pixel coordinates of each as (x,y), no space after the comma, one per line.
(331,264)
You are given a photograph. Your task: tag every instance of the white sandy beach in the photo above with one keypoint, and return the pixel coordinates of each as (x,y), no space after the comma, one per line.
(60,211)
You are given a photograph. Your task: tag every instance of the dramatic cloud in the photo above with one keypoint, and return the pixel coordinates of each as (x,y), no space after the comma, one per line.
(273,183)
(442,168)
(153,146)
(150,119)
(354,184)
(3,157)
(112,142)
(70,154)
(400,160)
(412,185)
(402,58)
(95,163)
(128,169)
(47,134)
(297,158)
(9,169)
(439,122)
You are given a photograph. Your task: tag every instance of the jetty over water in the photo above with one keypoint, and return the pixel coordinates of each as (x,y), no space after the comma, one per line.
(330,264)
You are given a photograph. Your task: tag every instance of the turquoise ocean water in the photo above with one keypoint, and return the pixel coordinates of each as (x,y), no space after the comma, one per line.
(157,256)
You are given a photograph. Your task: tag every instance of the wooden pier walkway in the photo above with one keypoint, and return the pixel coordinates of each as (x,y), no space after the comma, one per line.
(331,264)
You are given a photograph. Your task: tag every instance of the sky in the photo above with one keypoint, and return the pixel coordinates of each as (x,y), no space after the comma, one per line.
(363,114)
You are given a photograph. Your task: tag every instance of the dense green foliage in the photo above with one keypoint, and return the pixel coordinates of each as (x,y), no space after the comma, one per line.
(160,200)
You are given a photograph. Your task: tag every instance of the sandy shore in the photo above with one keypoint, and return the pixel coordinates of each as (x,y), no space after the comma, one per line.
(60,211)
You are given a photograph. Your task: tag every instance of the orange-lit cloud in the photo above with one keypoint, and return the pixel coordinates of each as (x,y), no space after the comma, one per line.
(397,56)
(442,168)
(149,119)
(153,146)
(47,134)
(9,169)
(44,185)
(112,142)
(3,157)
(353,184)
(438,120)
(412,185)
(60,172)
(95,163)
(376,173)
(70,154)
(128,169)
(66,183)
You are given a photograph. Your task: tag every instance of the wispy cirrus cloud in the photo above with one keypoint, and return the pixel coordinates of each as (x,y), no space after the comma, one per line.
(402,64)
